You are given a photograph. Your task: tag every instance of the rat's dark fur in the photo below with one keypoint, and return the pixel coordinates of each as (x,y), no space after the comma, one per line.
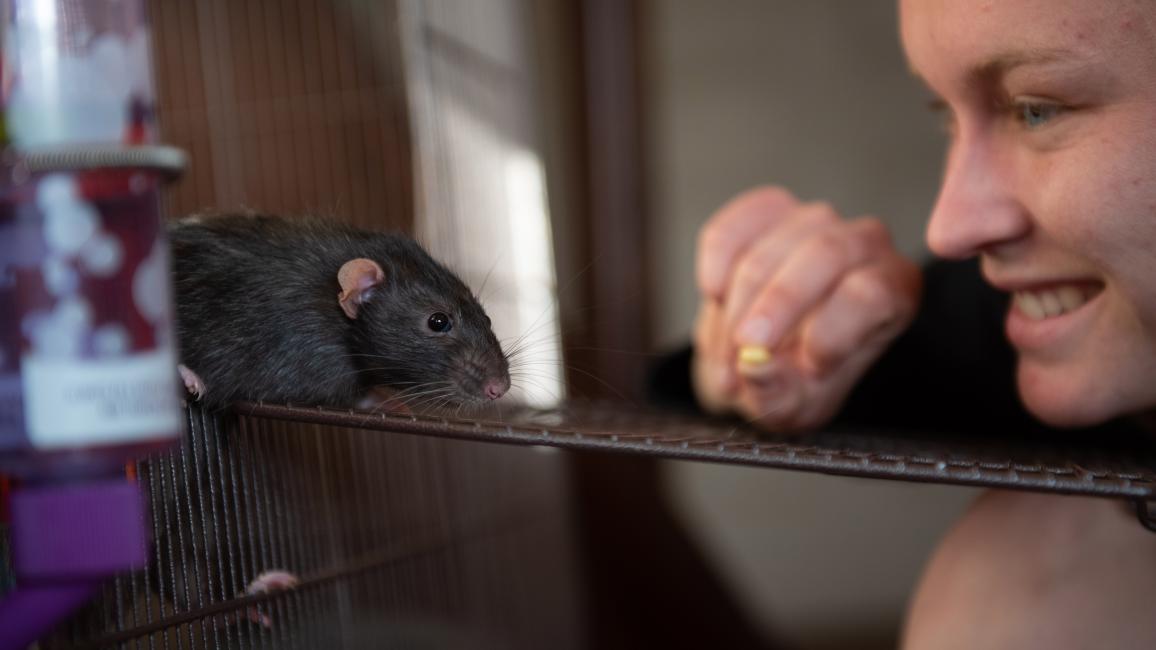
(258,316)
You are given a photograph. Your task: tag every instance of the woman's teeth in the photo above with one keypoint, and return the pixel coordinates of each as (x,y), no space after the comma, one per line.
(1038,305)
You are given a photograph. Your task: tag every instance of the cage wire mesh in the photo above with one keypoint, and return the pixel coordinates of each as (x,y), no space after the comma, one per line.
(397,541)
(288,106)
(437,540)
(418,531)
(301,106)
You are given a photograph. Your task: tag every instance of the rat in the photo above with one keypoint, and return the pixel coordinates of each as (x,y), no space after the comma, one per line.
(303,311)
(312,311)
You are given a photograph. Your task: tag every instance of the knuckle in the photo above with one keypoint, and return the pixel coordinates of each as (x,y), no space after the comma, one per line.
(826,346)
(763,198)
(822,362)
(868,291)
(825,350)
(821,212)
(874,227)
(875,233)
(781,296)
(771,194)
(707,343)
(751,271)
(828,247)
(710,235)
(758,204)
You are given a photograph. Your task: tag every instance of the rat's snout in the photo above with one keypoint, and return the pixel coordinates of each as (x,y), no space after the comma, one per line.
(495,387)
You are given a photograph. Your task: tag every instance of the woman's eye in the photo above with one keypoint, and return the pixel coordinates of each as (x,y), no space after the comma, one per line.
(1033,113)
(440,322)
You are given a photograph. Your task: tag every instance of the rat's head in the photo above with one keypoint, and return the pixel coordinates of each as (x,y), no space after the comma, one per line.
(417,328)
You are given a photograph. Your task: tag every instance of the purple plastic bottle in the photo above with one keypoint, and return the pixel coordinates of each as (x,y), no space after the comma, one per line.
(87,363)
(87,359)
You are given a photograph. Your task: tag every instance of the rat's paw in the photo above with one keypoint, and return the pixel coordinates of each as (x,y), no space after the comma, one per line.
(269,581)
(275,580)
(193,383)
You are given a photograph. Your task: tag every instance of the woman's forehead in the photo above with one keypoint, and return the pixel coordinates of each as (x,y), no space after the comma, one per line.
(974,33)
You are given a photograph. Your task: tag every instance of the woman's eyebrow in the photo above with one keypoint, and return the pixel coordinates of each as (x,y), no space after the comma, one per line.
(996,67)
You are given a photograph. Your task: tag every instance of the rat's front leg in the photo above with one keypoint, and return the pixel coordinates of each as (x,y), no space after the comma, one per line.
(193,383)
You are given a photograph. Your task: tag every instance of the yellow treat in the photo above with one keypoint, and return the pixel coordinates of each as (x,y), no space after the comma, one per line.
(754,355)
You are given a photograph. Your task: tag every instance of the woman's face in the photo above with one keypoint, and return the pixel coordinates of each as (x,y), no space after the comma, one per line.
(1051,180)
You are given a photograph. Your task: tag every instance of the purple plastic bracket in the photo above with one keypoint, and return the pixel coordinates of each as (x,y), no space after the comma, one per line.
(66,539)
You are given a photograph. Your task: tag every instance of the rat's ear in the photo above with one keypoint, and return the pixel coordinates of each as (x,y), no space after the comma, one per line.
(356,278)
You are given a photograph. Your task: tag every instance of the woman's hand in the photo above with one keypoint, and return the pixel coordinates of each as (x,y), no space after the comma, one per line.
(823,295)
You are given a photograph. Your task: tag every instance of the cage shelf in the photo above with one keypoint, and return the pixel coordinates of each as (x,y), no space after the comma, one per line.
(1105,468)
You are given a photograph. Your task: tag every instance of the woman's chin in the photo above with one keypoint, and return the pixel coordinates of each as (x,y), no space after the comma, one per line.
(1060,399)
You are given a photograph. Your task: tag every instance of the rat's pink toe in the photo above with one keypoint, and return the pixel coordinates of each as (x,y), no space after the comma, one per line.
(274,580)
(193,383)
(268,581)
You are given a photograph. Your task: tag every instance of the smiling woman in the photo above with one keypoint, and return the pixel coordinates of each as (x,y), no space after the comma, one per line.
(1048,184)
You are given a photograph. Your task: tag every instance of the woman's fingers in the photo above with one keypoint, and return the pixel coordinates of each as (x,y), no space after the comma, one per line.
(870,306)
(772,397)
(732,230)
(764,258)
(805,384)
(713,370)
(806,278)
(811,301)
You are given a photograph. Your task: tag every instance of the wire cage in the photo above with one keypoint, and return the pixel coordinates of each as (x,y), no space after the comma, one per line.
(396,541)
(419,531)
(286,527)
(393,541)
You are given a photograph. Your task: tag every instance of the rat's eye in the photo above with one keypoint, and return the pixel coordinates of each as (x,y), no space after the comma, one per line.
(440,322)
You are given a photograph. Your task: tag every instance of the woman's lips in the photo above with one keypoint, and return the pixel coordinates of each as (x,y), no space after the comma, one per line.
(1041,304)
(1044,316)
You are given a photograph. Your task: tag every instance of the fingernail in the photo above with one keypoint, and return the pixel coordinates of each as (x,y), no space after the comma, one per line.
(756,331)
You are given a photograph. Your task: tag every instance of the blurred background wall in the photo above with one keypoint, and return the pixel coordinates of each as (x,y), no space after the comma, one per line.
(814,96)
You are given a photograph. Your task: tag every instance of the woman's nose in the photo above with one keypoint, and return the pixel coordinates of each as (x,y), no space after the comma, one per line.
(977,208)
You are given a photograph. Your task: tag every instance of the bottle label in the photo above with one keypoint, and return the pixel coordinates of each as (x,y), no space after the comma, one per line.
(69,403)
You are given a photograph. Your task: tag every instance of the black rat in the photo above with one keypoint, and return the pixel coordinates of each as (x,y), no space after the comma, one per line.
(311,311)
(302,311)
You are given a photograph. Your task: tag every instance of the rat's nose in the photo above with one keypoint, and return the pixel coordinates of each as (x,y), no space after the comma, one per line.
(495,387)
